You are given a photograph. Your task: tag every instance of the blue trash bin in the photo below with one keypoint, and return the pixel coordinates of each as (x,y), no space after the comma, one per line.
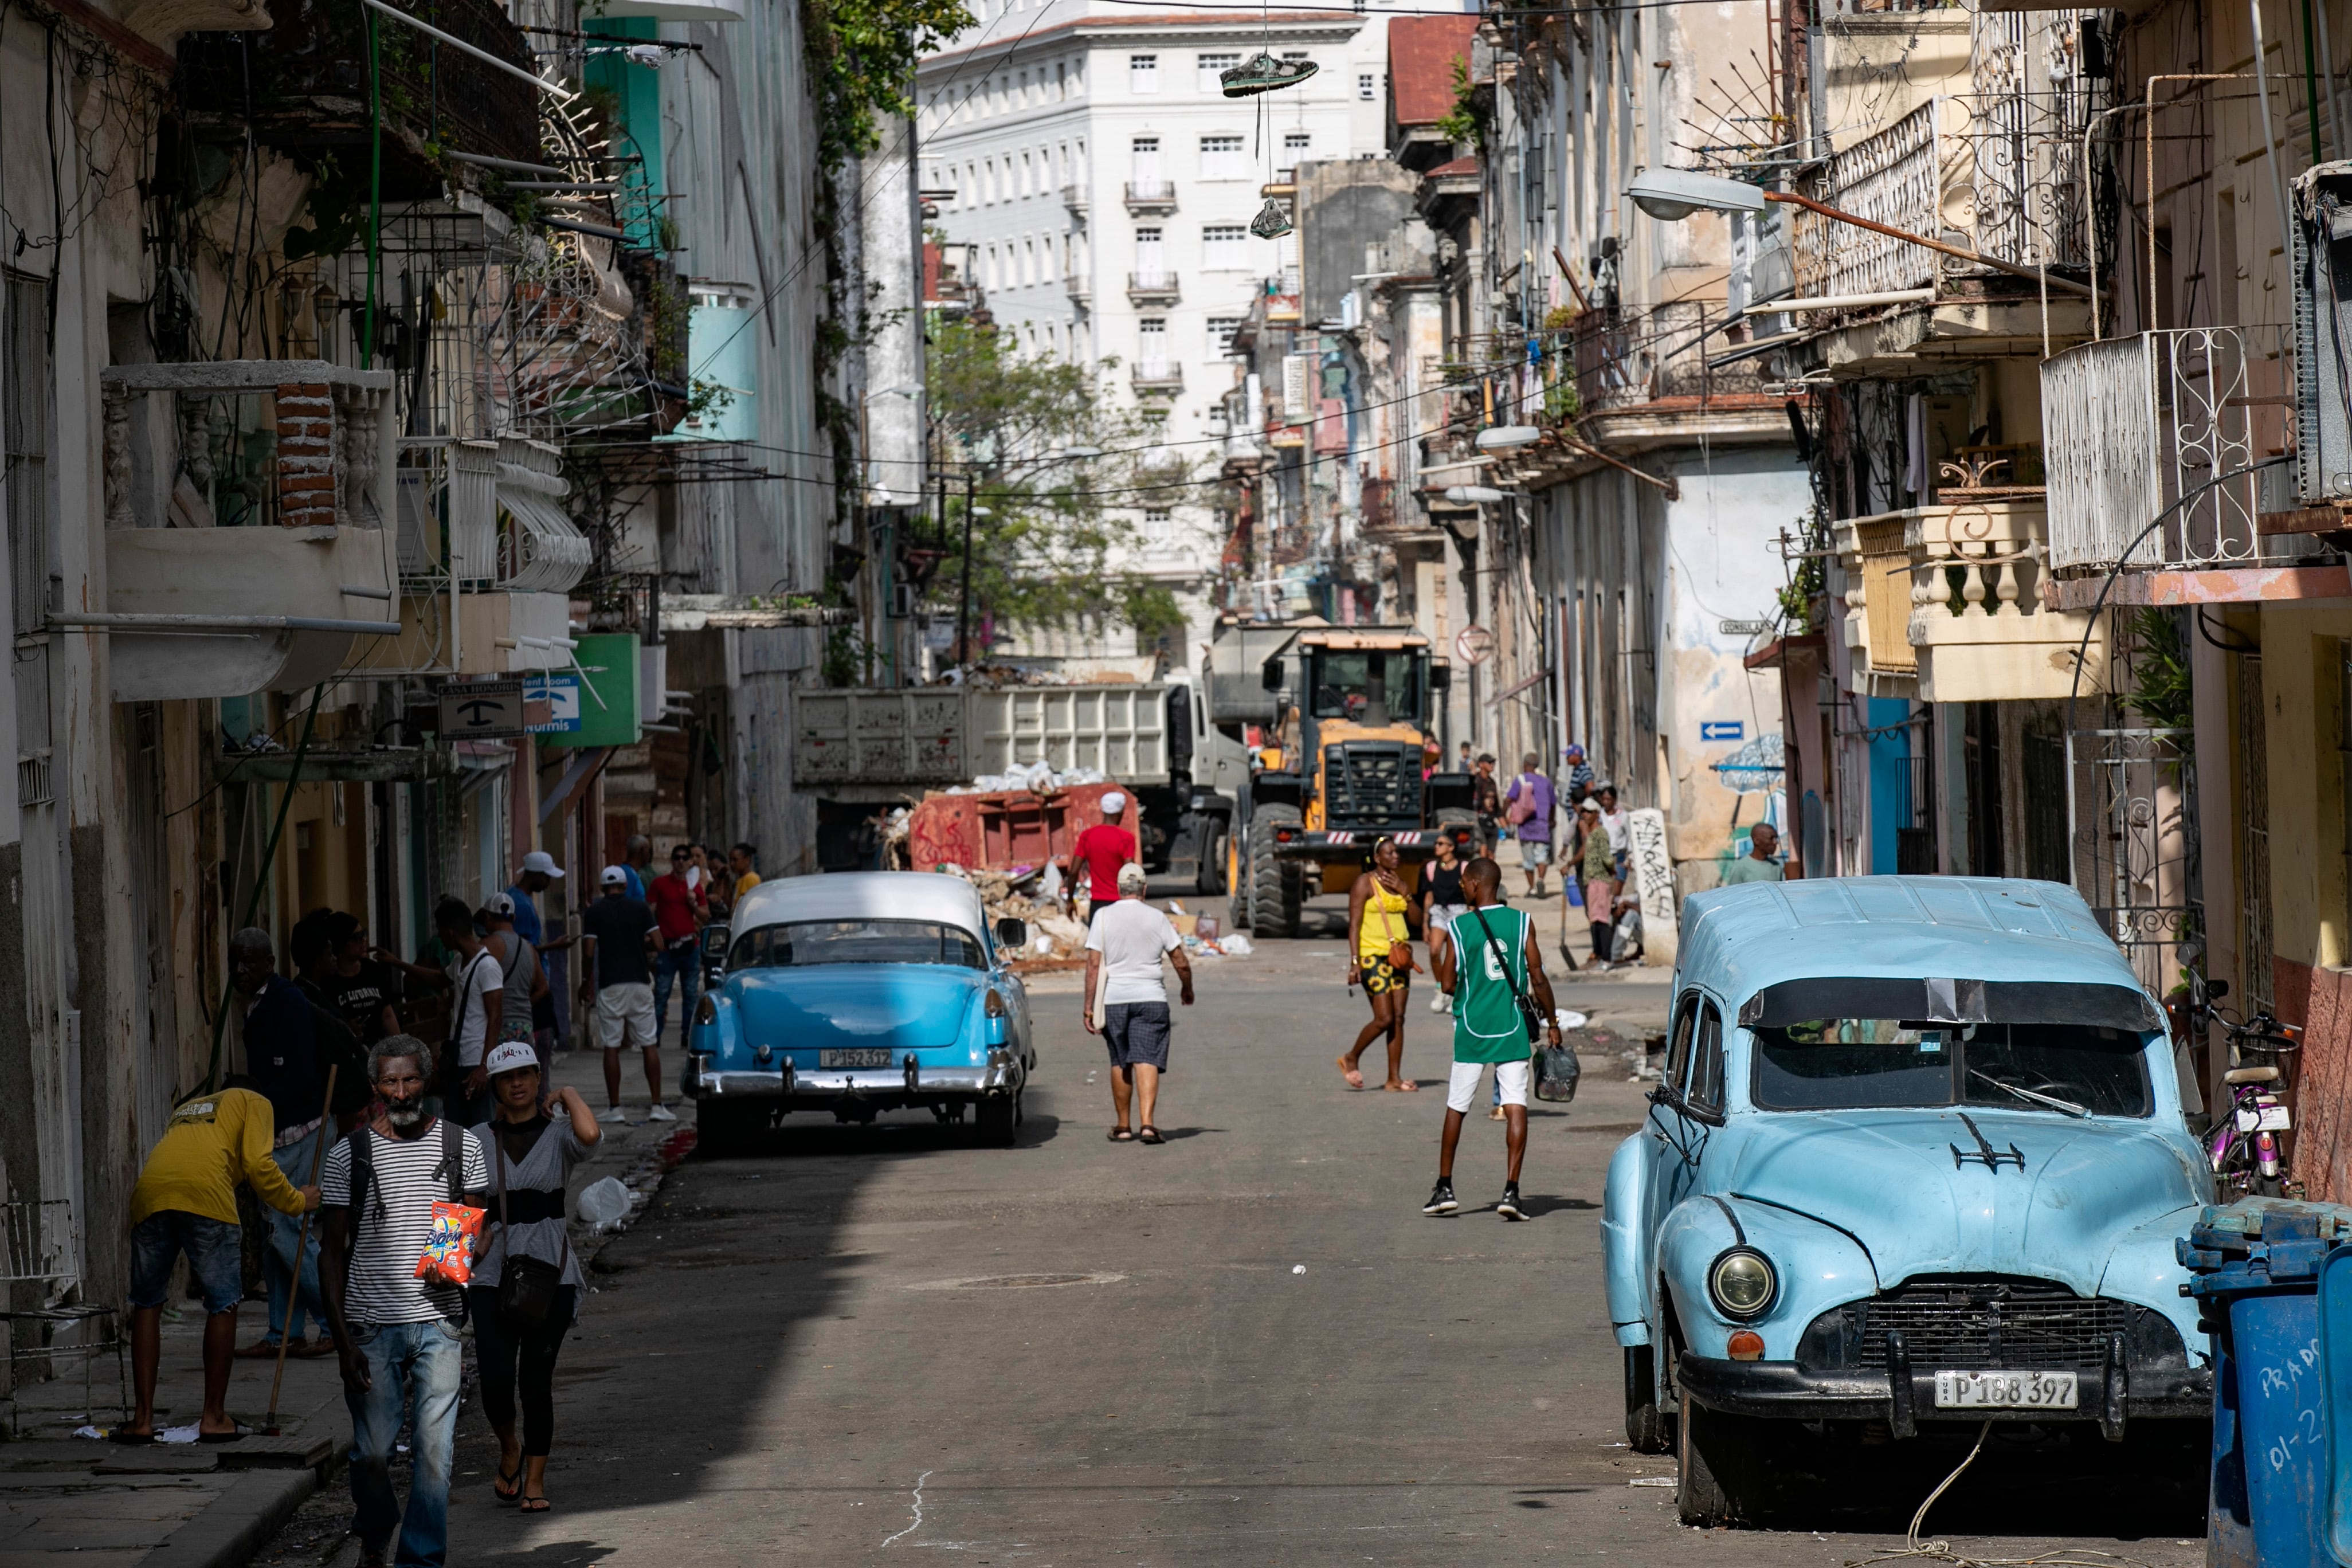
(2256,1269)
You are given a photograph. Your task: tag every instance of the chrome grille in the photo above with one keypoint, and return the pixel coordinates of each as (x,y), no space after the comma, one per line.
(2013,1324)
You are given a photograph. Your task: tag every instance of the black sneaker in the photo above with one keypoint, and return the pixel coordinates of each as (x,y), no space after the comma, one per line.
(1509,1207)
(1441,1199)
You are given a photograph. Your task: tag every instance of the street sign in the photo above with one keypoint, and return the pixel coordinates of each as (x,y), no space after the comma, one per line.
(1722,729)
(1743,629)
(482,711)
(550,704)
(1474,645)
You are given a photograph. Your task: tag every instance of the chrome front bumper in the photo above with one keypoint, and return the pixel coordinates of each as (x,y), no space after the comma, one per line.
(910,1083)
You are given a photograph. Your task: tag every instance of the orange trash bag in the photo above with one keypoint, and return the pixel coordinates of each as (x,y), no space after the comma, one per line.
(449,1253)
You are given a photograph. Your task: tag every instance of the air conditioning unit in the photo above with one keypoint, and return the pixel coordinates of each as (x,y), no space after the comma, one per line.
(2322,333)
(905,599)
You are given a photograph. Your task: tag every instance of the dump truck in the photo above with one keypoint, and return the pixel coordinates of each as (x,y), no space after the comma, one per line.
(857,751)
(1316,732)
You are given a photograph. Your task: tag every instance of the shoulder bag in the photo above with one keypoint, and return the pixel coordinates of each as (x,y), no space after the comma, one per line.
(527,1285)
(1399,949)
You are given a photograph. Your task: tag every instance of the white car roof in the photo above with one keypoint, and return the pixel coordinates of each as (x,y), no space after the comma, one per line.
(863,895)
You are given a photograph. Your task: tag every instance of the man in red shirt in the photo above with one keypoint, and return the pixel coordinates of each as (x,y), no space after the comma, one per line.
(682,909)
(1102,849)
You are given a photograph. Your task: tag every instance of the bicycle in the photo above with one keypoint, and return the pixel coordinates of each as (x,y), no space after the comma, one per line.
(2243,1146)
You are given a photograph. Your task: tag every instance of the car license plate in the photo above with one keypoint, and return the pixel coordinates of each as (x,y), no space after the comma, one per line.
(2005,1391)
(863,1057)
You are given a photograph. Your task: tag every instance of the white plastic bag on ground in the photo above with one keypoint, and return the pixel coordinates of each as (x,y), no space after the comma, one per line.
(1234,945)
(603,1205)
(1569,1018)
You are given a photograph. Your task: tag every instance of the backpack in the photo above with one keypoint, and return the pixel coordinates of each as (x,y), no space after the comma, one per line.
(452,1169)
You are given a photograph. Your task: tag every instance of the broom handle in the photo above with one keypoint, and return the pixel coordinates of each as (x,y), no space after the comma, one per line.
(301,1245)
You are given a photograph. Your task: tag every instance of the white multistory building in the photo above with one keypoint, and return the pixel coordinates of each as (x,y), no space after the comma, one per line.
(1106,187)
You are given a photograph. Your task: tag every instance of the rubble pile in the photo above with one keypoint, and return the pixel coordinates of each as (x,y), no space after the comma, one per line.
(1038,777)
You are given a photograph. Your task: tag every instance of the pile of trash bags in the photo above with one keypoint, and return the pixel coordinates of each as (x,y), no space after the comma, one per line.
(1038,777)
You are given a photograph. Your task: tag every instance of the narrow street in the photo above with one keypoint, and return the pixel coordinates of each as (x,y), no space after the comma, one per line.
(1248,1345)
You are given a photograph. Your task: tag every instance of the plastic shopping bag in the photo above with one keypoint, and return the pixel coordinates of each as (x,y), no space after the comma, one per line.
(449,1251)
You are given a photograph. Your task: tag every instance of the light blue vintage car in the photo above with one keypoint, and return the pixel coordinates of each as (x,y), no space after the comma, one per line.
(1917,1158)
(857,993)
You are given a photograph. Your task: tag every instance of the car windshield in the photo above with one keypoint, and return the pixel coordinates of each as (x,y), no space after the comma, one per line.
(1842,1063)
(1345,680)
(801,945)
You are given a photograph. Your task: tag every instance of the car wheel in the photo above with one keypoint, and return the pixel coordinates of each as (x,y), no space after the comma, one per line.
(723,1131)
(998,1116)
(1275,888)
(1721,1465)
(1212,879)
(1646,1426)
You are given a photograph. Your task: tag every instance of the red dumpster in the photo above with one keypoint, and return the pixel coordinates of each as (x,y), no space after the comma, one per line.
(1001,830)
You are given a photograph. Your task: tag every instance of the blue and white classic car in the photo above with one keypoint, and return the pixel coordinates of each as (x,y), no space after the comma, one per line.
(1918,1157)
(857,993)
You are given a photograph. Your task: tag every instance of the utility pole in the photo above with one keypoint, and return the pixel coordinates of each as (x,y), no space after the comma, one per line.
(963,597)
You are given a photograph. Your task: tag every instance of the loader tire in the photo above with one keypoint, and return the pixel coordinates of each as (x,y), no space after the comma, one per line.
(1275,888)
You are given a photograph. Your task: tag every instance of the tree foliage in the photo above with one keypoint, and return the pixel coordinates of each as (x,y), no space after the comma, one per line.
(861,56)
(1062,472)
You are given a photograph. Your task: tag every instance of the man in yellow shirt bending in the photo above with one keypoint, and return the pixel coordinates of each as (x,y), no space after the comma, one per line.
(185,1202)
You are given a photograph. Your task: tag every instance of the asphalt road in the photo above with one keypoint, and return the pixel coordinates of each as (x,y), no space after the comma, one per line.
(1246,1346)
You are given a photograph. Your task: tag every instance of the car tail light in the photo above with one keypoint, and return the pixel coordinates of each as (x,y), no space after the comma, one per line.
(996,1004)
(1746,1345)
(706,1010)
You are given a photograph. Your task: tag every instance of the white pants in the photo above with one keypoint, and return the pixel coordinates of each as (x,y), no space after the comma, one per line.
(1462,1087)
(625,1010)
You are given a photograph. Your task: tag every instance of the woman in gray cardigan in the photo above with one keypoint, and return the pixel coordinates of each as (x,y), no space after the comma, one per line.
(530,1144)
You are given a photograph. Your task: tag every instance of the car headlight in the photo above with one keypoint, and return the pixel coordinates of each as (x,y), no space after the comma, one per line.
(1742,1282)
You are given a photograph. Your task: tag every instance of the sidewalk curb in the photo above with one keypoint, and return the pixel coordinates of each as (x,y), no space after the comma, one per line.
(228,1533)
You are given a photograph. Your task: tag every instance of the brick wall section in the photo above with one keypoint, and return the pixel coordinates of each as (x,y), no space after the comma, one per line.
(2321,1001)
(306,456)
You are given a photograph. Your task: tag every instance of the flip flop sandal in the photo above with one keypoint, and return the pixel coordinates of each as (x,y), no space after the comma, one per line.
(220,1436)
(1150,1135)
(536,1505)
(498,1487)
(1121,1135)
(130,1439)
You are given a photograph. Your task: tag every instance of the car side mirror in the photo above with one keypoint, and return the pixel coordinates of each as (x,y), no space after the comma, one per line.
(1011,933)
(1441,677)
(1270,677)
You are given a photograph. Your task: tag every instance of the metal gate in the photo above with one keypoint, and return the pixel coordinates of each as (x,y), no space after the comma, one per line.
(2131,811)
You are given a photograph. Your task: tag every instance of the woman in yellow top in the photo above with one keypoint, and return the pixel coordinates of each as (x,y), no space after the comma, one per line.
(1379,919)
(185,1202)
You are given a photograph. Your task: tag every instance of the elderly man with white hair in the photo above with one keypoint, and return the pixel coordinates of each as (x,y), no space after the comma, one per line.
(1100,852)
(1127,1000)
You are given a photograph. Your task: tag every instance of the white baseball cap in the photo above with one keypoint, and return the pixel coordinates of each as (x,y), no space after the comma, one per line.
(501,904)
(1131,876)
(614,876)
(1113,804)
(510,1056)
(540,861)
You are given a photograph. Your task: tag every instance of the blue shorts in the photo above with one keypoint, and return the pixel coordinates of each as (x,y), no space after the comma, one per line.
(216,1252)
(1136,1034)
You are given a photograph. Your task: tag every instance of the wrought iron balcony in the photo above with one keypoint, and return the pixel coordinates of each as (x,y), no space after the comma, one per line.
(2151,444)
(305,78)
(1150,198)
(1152,288)
(1996,166)
(1628,355)
(1159,375)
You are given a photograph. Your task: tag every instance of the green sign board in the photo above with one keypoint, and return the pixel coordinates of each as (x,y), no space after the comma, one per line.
(608,693)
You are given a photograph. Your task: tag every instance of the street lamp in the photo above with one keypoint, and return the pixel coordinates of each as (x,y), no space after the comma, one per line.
(1472,494)
(1508,437)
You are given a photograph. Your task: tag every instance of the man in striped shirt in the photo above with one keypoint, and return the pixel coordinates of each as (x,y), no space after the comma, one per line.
(397,1333)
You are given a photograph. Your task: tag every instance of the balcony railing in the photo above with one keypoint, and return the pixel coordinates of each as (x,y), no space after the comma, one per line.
(1978,630)
(1999,166)
(1152,288)
(1150,196)
(1159,375)
(2157,436)
(1076,200)
(1627,355)
(1080,286)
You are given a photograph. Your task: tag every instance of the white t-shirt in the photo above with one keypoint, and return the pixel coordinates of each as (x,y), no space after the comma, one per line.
(1131,935)
(476,979)
(384,1287)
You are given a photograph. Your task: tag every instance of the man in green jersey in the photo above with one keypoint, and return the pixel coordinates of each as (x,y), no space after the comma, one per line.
(1491,962)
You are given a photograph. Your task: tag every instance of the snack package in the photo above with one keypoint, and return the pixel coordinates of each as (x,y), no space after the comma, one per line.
(449,1253)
